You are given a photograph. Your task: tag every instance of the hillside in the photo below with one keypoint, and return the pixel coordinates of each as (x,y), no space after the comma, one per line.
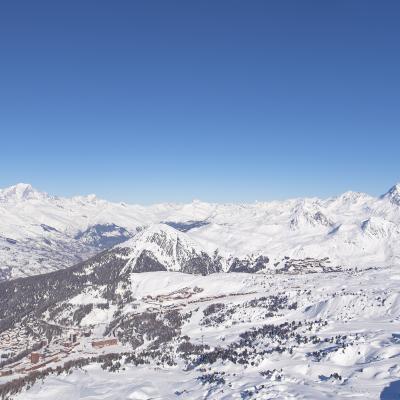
(41,233)
(153,317)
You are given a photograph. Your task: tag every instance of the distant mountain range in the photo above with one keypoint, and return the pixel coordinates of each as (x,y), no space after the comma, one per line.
(295,299)
(41,233)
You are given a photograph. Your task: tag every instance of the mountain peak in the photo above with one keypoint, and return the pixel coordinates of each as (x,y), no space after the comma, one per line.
(88,199)
(21,191)
(160,234)
(22,187)
(160,247)
(350,195)
(393,194)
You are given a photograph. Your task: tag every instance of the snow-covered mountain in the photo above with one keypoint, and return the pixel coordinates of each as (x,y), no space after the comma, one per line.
(393,195)
(107,329)
(40,232)
(162,248)
(291,299)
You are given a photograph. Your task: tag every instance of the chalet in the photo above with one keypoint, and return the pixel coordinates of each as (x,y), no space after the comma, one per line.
(35,357)
(104,343)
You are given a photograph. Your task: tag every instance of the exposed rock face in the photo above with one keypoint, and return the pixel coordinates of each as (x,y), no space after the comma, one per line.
(378,228)
(162,248)
(186,225)
(393,195)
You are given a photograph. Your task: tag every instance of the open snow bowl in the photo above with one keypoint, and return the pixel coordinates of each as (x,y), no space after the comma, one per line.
(352,356)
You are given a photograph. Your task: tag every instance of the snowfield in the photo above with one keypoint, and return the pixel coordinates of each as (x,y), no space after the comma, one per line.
(41,233)
(352,350)
(283,300)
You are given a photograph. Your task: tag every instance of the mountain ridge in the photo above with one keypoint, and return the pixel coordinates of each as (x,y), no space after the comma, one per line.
(29,188)
(40,232)
(224,300)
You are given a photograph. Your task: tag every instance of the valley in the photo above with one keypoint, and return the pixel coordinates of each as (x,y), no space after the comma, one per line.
(161,311)
(40,233)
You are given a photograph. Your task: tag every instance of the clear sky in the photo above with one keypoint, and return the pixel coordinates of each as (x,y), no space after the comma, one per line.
(150,101)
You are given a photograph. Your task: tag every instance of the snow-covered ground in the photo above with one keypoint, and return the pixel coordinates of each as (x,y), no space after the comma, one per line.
(350,319)
(296,299)
(40,233)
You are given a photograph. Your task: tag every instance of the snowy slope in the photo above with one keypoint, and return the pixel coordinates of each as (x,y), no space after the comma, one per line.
(278,300)
(39,232)
(162,248)
(278,335)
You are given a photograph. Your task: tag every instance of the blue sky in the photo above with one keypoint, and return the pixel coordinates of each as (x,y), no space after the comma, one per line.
(218,100)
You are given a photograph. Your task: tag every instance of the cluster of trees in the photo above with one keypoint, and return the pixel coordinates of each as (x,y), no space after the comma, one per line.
(272,372)
(217,313)
(339,342)
(161,327)
(258,342)
(213,308)
(214,378)
(187,350)
(36,294)
(81,312)
(162,356)
(273,303)
(250,393)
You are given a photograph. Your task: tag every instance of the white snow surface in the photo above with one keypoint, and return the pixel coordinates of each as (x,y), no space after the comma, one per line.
(353,312)
(162,241)
(363,306)
(38,232)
